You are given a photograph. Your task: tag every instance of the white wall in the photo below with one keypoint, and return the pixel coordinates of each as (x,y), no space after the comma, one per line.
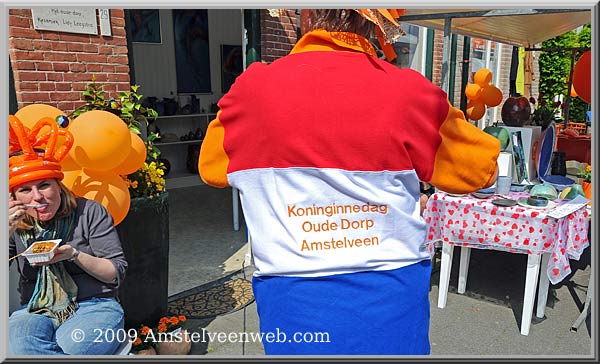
(155,63)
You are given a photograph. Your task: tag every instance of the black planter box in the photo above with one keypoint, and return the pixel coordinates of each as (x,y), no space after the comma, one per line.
(144,234)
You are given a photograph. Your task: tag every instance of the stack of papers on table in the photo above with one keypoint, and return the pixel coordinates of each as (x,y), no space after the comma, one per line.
(568,207)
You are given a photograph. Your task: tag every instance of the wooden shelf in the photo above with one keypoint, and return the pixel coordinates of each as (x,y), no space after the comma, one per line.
(184,116)
(182,179)
(195,141)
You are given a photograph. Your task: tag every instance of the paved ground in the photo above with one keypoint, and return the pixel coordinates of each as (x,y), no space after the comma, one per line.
(484,322)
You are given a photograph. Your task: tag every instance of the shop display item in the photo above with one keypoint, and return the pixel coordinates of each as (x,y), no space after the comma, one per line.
(504,202)
(545,158)
(544,190)
(516,111)
(524,201)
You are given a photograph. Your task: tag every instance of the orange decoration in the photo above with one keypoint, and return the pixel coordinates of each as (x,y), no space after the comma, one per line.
(475,110)
(108,188)
(582,79)
(482,77)
(573,93)
(102,140)
(473,91)
(31,114)
(135,159)
(491,96)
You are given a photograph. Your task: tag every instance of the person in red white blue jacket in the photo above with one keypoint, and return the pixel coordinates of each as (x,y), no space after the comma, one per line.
(327,146)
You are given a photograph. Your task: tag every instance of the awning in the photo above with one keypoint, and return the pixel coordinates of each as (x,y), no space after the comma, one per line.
(520,27)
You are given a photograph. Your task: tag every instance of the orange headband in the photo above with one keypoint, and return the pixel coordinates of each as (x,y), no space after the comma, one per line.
(32,165)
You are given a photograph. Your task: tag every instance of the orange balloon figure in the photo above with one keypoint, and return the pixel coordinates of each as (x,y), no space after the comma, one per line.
(491,96)
(102,140)
(135,159)
(108,188)
(475,110)
(31,114)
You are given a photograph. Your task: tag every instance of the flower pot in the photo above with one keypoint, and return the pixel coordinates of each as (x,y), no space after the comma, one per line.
(144,234)
(149,351)
(180,345)
(587,189)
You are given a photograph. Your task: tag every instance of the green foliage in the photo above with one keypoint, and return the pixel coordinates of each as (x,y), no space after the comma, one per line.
(147,181)
(555,67)
(545,113)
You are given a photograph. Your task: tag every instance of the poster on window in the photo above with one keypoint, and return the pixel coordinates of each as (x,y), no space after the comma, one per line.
(144,25)
(231,65)
(192,51)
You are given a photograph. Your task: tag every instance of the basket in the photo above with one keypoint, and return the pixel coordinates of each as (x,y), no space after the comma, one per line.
(41,257)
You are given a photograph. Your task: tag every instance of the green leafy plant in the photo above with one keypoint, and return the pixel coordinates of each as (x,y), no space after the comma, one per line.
(148,181)
(555,66)
(586,174)
(545,112)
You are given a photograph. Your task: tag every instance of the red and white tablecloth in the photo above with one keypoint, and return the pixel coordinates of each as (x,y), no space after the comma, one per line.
(477,223)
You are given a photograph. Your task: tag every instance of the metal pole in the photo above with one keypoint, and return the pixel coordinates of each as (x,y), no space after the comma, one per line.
(568,101)
(446,54)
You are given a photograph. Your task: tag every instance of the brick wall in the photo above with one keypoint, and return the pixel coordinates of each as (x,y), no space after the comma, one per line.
(54,67)
(278,35)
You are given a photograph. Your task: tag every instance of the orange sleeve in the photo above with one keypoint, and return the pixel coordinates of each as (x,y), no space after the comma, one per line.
(466,159)
(213,161)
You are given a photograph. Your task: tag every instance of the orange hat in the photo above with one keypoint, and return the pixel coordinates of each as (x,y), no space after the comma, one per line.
(388,29)
(32,164)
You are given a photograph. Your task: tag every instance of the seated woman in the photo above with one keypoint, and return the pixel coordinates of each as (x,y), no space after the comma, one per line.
(70,300)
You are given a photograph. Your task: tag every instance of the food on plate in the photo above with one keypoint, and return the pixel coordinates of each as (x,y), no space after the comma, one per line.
(42,247)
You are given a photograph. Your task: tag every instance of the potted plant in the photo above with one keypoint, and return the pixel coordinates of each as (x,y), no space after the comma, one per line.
(545,112)
(144,232)
(143,343)
(587,182)
(177,338)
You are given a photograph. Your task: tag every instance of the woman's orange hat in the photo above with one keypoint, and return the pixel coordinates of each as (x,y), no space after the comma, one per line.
(32,164)
(388,28)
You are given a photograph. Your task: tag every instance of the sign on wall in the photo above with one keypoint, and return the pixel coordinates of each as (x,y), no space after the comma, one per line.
(70,20)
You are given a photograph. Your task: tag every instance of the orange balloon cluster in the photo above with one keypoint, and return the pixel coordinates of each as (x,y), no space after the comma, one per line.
(103,150)
(481,94)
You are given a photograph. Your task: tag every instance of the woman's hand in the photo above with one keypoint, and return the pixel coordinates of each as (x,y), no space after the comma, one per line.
(16,213)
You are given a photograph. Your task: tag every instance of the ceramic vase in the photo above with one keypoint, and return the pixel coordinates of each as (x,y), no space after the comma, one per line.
(587,189)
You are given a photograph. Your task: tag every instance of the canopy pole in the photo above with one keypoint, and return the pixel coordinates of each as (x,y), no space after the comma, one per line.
(568,101)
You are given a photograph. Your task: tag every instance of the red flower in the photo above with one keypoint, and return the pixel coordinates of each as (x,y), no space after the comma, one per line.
(182,318)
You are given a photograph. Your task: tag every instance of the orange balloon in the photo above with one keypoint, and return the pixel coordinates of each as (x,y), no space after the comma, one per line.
(482,77)
(573,93)
(475,110)
(108,188)
(68,164)
(491,96)
(582,79)
(473,91)
(102,140)
(31,114)
(70,177)
(136,158)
